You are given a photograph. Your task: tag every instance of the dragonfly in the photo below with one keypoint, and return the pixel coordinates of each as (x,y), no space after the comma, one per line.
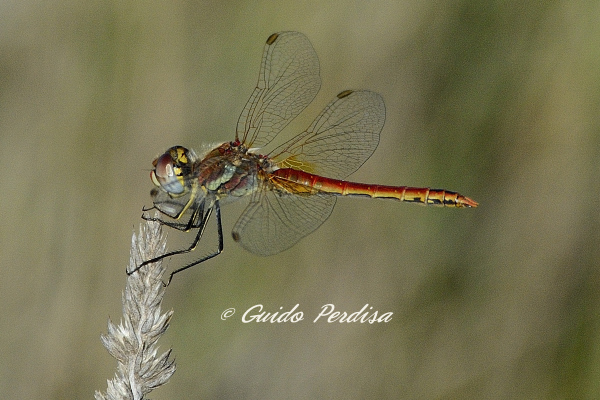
(292,187)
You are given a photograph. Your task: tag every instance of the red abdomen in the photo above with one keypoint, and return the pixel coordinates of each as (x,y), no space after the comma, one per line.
(312,184)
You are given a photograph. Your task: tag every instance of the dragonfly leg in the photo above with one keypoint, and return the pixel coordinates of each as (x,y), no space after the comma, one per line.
(191,224)
(198,236)
(197,221)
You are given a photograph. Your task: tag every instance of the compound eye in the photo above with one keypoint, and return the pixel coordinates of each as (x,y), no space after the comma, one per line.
(165,176)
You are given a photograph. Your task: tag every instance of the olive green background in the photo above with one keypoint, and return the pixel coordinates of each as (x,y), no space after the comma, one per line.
(498,100)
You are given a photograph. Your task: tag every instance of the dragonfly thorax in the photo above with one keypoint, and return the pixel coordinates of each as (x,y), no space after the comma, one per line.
(229,170)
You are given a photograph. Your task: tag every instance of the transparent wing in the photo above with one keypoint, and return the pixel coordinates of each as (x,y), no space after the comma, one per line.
(275,221)
(337,143)
(340,139)
(288,81)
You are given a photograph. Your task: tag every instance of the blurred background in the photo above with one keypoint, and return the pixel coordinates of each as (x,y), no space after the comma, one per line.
(498,100)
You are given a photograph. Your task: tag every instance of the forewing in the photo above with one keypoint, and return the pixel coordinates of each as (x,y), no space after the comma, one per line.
(274,222)
(340,139)
(288,81)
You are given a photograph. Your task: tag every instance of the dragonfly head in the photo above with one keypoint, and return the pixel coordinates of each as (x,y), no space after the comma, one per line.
(172,170)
